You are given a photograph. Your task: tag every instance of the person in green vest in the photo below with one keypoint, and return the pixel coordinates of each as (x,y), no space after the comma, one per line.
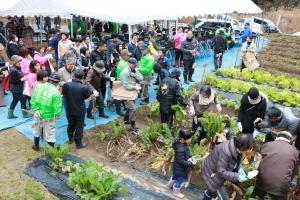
(46,104)
(146,68)
(123,63)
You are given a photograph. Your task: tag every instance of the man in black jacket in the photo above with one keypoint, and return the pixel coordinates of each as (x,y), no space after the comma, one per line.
(189,49)
(220,45)
(99,53)
(75,92)
(169,93)
(253,106)
(13,46)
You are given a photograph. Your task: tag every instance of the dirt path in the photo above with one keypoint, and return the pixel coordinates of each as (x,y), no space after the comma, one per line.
(15,153)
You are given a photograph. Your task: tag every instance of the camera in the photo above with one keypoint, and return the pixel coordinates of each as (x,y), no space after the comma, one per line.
(2,63)
(2,69)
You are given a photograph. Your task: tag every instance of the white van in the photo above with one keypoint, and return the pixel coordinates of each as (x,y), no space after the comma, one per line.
(258,25)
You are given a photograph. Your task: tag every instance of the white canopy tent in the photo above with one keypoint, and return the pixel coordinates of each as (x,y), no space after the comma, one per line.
(128,11)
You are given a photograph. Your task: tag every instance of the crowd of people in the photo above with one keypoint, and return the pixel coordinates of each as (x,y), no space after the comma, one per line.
(63,74)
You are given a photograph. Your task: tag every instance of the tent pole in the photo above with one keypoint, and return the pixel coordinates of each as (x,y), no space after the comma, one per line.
(129,32)
(71,26)
(263,40)
(41,34)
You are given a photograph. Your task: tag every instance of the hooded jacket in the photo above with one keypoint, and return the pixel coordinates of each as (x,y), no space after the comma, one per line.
(248,113)
(219,166)
(169,93)
(181,163)
(46,100)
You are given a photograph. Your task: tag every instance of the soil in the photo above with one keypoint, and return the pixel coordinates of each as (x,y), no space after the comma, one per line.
(16,152)
(282,55)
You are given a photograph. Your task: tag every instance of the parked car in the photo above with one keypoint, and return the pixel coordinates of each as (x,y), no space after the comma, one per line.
(259,25)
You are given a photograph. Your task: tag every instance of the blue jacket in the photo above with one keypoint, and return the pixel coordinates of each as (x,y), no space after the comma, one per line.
(247,33)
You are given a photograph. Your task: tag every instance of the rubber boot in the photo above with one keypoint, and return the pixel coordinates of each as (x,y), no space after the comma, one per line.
(118,109)
(51,144)
(126,118)
(185,79)
(71,138)
(190,78)
(101,113)
(89,112)
(10,114)
(145,101)
(80,144)
(177,193)
(133,126)
(36,145)
(171,182)
(26,114)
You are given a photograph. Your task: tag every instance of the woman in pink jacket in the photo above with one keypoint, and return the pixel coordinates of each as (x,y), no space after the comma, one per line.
(30,80)
(26,59)
(42,58)
(179,38)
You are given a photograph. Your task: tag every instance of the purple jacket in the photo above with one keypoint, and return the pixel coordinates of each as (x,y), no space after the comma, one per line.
(219,165)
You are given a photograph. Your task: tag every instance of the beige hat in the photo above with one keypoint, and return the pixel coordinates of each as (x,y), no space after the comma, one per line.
(15,59)
(125,52)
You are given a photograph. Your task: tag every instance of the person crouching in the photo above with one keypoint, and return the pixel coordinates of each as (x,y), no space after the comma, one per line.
(46,104)
(182,162)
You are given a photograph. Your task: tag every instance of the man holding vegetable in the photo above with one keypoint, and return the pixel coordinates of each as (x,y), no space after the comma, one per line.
(130,79)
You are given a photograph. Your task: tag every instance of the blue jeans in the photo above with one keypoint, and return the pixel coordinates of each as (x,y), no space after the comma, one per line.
(171,55)
(179,180)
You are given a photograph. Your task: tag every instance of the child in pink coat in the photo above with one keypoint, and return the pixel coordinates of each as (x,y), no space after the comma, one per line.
(30,80)
(41,57)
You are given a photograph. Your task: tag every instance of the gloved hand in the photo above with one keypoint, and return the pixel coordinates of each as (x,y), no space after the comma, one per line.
(242,172)
(138,88)
(194,162)
(192,110)
(242,178)
(218,107)
(96,93)
(240,126)
(257,121)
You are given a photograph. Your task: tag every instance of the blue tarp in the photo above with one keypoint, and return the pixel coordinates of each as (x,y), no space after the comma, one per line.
(24,125)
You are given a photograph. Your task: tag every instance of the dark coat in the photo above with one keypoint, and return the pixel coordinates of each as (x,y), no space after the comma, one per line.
(248,113)
(168,94)
(221,165)
(96,56)
(131,47)
(12,49)
(94,80)
(75,93)
(220,44)
(187,46)
(16,85)
(278,167)
(181,164)
(137,54)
